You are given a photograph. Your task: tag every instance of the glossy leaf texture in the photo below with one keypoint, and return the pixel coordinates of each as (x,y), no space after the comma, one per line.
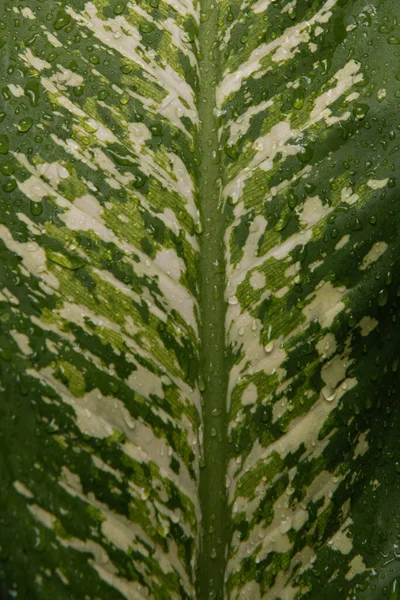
(199,300)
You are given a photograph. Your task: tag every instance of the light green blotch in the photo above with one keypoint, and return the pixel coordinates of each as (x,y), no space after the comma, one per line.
(76,381)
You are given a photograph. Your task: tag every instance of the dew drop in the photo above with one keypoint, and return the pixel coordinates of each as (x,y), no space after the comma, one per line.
(383,297)
(328,394)
(24,124)
(119,8)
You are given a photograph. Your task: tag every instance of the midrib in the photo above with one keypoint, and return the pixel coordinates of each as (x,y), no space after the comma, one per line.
(215,522)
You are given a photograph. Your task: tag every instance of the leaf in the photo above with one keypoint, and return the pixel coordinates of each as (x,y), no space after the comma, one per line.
(199,239)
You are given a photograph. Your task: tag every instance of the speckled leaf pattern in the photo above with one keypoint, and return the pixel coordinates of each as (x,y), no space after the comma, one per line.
(199,300)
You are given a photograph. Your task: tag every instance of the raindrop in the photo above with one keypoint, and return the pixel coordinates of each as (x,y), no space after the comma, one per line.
(119,8)
(394,589)
(269,347)
(36,208)
(24,124)
(328,394)
(62,20)
(62,172)
(383,297)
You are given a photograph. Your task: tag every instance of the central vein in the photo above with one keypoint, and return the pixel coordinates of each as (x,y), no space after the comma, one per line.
(215,522)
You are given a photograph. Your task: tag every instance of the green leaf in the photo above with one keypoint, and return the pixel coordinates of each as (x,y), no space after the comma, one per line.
(199,300)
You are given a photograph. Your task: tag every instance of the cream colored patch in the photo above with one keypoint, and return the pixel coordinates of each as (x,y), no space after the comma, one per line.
(22,489)
(66,77)
(326,346)
(325,305)
(261,5)
(334,371)
(41,515)
(33,61)
(22,342)
(374,254)
(362,445)
(251,589)
(16,90)
(249,395)
(168,261)
(35,262)
(316,264)
(348,196)
(33,188)
(282,292)
(61,575)
(367,324)
(341,541)
(279,409)
(145,382)
(357,566)
(292,270)
(377,184)
(257,280)
(312,211)
(27,13)
(342,242)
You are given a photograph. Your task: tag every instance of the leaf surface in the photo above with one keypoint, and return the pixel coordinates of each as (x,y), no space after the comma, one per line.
(199,242)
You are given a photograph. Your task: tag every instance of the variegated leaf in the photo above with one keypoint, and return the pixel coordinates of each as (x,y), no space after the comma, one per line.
(199,239)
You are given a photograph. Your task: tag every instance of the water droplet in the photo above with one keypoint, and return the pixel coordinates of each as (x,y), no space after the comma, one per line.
(62,172)
(202,383)
(10,186)
(146,27)
(62,19)
(71,262)
(360,111)
(144,493)
(281,224)
(305,154)
(269,347)
(32,247)
(328,394)
(124,98)
(119,8)
(36,208)
(383,297)
(285,525)
(394,589)
(32,90)
(24,124)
